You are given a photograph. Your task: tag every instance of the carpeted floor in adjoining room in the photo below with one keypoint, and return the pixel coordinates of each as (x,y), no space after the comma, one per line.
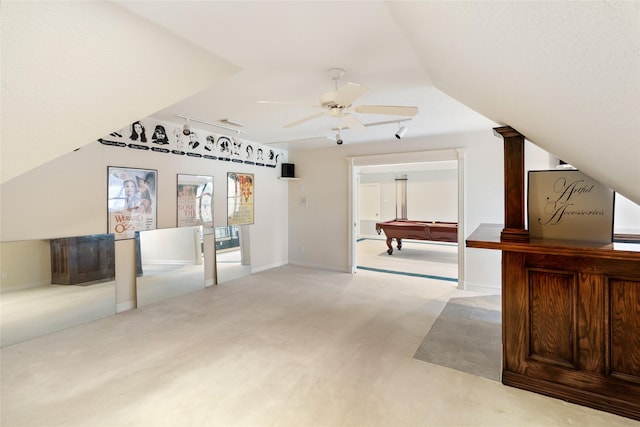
(436,260)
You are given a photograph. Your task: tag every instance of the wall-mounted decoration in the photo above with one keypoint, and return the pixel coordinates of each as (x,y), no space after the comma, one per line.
(169,138)
(131,201)
(195,201)
(240,187)
(160,136)
(569,205)
(138,132)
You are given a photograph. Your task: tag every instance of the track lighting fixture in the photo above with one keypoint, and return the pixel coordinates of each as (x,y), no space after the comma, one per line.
(236,138)
(339,140)
(186,129)
(401,132)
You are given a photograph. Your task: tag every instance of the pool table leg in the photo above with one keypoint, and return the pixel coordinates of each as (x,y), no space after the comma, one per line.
(399,243)
(390,250)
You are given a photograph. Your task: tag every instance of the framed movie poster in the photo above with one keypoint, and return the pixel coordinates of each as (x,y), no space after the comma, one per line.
(569,205)
(239,198)
(195,201)
(131,201)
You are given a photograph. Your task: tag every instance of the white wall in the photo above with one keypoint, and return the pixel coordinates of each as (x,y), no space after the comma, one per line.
(68,197)
(432,195)
(25,264)
(626,216)
(319,231)
(171,246)
(319,228)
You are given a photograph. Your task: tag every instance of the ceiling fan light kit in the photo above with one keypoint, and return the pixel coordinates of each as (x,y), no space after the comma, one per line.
(339,104)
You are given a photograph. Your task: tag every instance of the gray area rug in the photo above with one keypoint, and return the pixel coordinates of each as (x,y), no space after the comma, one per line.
(467,336)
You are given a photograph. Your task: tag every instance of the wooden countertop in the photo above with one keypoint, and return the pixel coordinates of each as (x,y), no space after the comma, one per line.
(487,236)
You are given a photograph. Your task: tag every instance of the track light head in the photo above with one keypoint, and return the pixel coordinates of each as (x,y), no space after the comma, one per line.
(186,129)
(339,140)
(401,132)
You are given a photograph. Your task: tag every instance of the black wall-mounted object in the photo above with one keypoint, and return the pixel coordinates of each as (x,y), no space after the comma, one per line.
(288,170)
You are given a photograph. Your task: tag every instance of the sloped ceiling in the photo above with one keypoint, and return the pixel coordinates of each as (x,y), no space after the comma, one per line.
(72,72)
(285,49)
(565,74)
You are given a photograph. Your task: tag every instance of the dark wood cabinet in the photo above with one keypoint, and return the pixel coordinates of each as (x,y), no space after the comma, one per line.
(83,259)
(570,310)
(570,319)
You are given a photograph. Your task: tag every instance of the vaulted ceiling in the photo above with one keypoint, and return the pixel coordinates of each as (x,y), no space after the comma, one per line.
(565,74)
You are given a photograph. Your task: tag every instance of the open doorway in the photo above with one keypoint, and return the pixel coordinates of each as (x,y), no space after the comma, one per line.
(434,192)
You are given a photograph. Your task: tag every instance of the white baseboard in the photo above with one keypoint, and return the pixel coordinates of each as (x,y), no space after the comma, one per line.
(24,286)
(482,288)
(320,266)
(169,262)
(209,282)
(125,306)
(267,266)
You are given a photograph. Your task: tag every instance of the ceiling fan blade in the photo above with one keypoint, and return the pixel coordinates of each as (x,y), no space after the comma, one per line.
(349,93)
(391,110)
(287,103)
(310,139)
(352,122)
(304,119)
(276,102)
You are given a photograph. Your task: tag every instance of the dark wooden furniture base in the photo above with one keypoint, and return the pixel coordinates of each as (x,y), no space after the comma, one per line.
(570,319)
(82,259)
(570,310)
(417,230)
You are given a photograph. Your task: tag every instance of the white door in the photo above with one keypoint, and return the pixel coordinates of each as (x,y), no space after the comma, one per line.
(368,208)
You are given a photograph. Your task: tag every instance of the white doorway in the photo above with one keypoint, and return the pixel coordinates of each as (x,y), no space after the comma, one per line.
(362,223)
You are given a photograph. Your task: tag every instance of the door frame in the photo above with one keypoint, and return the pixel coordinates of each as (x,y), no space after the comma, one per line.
(354,165)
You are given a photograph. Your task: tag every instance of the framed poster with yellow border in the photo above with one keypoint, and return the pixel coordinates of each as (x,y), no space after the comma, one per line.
(240,192)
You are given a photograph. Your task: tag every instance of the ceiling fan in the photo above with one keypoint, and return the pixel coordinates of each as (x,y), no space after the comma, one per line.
(339,104)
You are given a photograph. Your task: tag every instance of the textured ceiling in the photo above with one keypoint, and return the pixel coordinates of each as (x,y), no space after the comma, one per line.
(73,72)
(285,49)
(565,74)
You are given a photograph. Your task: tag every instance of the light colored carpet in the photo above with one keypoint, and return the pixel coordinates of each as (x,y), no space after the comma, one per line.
(437,260)
(289,346)
(230,267)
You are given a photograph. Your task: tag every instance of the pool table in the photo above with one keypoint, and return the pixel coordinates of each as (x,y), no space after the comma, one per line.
(417,230)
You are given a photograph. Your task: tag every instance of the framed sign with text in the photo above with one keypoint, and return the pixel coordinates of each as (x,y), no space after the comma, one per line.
(569,205)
